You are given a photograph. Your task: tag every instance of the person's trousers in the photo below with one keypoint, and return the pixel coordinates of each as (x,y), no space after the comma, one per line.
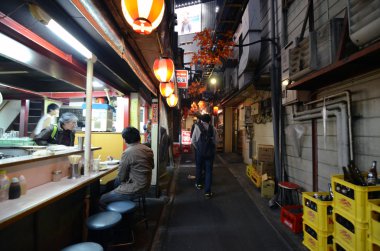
(207,164)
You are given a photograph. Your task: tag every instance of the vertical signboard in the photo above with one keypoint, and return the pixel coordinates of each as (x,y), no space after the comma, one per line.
(182,78)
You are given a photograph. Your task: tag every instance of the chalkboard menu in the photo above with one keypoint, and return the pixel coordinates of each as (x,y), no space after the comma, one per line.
(78,111)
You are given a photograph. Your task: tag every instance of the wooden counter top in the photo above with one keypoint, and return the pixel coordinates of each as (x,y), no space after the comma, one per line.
(38,197)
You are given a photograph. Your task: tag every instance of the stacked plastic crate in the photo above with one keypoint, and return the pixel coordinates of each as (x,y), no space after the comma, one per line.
(318,224)
(374,225)
(352,216)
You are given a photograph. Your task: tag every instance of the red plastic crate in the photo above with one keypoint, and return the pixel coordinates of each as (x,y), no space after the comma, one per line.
(291,216)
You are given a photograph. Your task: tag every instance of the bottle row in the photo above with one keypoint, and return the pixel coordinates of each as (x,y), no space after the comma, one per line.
(11,188)
(353,175)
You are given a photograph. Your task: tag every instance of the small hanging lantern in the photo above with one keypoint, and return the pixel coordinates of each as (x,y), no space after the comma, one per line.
(172,100)
(166,89)
(143,16)
(163,69)
(215,110)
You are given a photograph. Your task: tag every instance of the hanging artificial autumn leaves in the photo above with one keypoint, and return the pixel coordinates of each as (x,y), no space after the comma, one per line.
(196,88)
(212,51)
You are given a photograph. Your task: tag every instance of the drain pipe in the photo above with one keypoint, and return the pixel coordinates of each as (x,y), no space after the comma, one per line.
(342,130)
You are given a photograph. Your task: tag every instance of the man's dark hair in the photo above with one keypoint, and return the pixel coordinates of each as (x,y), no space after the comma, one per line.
(52,107)
(206,118)
(131,135)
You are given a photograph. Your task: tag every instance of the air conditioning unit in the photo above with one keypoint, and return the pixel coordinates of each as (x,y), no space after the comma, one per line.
(303,58)
(327,39)
(364,21)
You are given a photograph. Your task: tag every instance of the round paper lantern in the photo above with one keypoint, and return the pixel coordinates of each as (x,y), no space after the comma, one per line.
(166,89)
(163,69)
(143,15)
(172,100)
(215,110)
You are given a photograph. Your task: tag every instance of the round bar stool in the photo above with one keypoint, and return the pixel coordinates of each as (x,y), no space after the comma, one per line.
(101,226)
(287,192)
(84,246)
(126,208)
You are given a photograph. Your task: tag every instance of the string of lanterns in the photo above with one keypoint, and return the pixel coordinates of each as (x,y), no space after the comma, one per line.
(144,17)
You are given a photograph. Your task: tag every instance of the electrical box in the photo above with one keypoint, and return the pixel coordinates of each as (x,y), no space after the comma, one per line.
(293,96)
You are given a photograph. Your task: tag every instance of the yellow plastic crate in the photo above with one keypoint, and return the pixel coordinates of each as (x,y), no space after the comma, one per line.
(373,245)
(350,239)
(321,218)
(353,208)
(321,241)
(374,220)
(256,178)
(249,170)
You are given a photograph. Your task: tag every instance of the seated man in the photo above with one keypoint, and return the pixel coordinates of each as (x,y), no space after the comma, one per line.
(135,170)
(61,134)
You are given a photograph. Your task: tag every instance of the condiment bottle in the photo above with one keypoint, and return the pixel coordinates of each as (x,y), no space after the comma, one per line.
(14,189)
(4,185)
(22,184)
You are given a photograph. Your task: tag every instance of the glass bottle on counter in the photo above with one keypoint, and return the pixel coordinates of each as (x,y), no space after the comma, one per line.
(4,185)
(14,189)
(372,175)
(22,184)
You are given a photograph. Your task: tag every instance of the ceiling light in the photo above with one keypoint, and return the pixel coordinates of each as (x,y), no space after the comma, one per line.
(68,38)
(96,83)
(14,50)
(40,15)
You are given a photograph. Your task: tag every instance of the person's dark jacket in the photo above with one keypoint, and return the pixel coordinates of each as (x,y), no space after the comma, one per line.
(61,137)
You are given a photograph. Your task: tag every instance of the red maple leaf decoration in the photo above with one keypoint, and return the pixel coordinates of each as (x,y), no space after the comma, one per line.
(212,51)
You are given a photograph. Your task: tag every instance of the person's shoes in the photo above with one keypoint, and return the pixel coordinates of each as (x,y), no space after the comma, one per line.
(198,186)
(209,195)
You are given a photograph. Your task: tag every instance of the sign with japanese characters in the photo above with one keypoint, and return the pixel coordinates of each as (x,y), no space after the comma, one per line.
(182,78)
(185,136)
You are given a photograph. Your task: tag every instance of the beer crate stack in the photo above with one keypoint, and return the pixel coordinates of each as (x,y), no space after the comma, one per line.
(374,225)
(317,224)
(354,224)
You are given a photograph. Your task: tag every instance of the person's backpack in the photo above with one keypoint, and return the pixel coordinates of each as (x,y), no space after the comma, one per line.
(205,144)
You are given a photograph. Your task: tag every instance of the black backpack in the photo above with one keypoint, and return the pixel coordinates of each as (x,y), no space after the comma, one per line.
(205,144)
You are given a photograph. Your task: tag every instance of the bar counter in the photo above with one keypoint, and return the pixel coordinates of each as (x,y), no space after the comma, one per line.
(40,196)
(51,215)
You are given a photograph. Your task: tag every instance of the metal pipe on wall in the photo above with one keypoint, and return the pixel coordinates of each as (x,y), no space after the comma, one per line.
(342,130)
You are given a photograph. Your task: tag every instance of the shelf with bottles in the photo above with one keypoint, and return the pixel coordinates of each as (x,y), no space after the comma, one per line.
(352,200)
(348,233)
(316,240)
(317,210)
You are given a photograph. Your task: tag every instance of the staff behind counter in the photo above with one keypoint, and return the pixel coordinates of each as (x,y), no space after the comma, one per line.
(61,134)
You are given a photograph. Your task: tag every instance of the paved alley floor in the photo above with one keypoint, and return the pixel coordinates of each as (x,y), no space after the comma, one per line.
(236,218)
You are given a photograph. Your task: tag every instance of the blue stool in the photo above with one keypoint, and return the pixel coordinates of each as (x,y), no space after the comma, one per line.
(101,226)
(84,246)
(127,209)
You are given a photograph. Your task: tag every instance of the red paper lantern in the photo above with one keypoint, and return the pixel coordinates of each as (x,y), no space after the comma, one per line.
(143,16)
(215,110)
(172,100)
(163,69)
(166,89)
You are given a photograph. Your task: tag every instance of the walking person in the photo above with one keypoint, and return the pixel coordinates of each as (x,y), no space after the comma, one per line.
(204,141)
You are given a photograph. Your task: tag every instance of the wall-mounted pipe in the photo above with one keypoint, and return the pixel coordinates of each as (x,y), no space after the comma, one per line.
(340,112)
(347,116)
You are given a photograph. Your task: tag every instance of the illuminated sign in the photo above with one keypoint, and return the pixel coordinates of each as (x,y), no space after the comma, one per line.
(189,19)
(185,137)
(182,78)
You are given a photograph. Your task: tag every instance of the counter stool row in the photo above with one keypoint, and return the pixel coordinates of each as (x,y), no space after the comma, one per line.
(103,226)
